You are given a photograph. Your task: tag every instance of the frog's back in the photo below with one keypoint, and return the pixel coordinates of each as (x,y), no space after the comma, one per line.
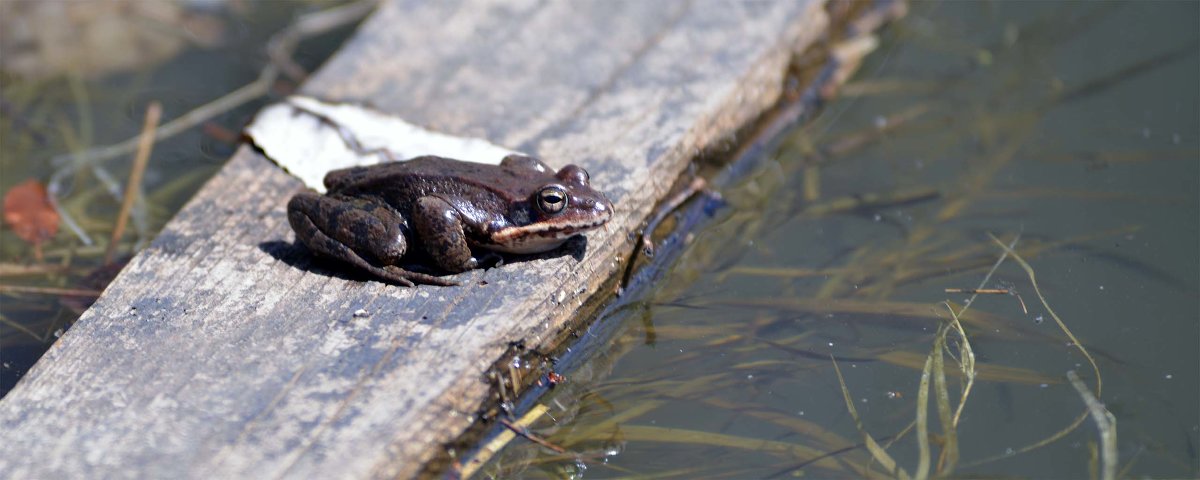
(428,172)
(345,179)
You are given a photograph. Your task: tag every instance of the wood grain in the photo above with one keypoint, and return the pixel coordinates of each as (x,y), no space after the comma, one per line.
(224,351)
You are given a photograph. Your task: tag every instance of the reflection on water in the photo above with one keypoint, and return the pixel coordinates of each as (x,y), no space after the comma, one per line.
(1070,130)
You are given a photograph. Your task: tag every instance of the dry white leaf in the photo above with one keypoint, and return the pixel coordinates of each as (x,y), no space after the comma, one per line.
(309,137)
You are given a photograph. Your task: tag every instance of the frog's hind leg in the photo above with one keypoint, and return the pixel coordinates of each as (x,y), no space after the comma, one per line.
(351,228)
(324,245)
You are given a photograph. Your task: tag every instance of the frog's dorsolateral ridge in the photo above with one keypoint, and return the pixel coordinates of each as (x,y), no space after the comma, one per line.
(371,217)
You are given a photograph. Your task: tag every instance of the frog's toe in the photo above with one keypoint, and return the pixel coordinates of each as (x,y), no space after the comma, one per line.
(393,277)
(394,272)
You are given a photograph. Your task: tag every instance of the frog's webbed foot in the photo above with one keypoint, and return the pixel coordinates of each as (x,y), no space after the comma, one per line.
(402,276)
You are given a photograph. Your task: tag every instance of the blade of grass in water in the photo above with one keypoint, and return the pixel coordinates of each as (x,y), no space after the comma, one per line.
(934,365)
(1061,325)
(966,359)
(948,458)
(877,452)
(922,471)
(1105,422)
(653,433)
(1074,341)
(994,373)
(891,309)
(829,440)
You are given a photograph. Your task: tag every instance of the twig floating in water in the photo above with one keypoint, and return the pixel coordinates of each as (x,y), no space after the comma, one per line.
(485,453)
(524,432)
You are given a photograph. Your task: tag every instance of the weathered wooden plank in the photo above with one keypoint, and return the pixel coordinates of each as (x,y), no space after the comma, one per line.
(222,350)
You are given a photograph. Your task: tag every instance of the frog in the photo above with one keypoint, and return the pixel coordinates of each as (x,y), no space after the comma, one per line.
(443,211)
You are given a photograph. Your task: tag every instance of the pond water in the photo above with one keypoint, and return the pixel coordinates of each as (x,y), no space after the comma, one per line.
(59,98)
(1068,130)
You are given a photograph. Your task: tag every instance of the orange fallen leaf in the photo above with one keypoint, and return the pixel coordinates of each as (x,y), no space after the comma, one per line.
(28,211)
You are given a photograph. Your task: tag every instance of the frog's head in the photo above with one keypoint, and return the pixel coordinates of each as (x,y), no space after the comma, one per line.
(563,206)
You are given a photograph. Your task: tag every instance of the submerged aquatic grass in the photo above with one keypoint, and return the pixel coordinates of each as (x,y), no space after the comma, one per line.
(838,252)
(934,365)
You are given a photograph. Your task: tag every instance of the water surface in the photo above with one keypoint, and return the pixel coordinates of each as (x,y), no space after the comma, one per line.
(1069,130)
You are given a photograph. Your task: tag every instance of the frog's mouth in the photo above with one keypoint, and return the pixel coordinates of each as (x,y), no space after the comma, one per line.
(539,237)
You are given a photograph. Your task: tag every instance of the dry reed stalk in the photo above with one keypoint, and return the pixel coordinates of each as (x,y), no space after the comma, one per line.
(134,185)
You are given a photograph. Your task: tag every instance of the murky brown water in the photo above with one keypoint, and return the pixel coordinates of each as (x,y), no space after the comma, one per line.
(1069,129)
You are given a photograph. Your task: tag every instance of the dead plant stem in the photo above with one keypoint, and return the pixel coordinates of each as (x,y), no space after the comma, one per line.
(134,185)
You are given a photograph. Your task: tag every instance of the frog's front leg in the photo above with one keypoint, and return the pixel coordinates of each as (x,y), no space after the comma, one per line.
(365,234)
(440,229)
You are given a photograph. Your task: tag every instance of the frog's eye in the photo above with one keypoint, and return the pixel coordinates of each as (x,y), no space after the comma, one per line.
(552,199)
